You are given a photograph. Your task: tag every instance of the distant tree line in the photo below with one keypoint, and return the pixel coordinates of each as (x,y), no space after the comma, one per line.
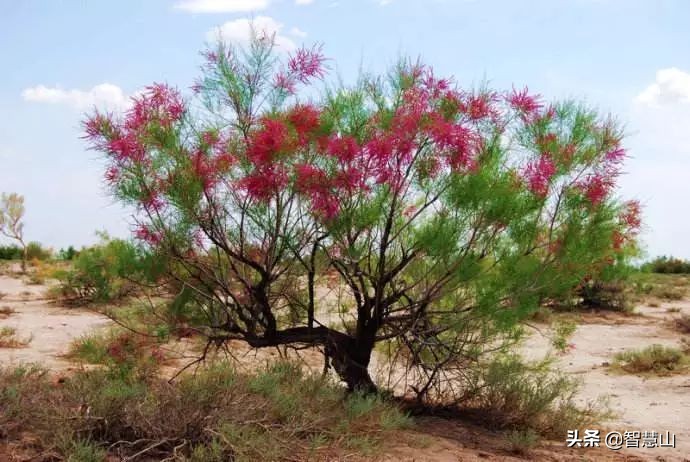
(36,251)
(667,265)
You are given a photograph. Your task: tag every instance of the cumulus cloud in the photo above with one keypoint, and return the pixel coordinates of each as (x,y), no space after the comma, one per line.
(303,2)
(222,6)
(239,32)
(297,32)
(102,95)
(672,85)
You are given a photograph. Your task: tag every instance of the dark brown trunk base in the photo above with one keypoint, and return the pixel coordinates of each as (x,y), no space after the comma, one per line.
(351,363)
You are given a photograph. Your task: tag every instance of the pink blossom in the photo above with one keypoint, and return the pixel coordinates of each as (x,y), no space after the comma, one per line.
(197,86)
(210,56)
(538,175)
(223,162)
(631,216)
(204,170)
(210,138)
(310,177)
(380,148)
(305,119)
(267,142)
(597,187)
(458,141)
(284,83)
(615,155)
(326,205)
(126,148)
(522,101)
(264,183)
(436,87)
(160,104)
(97,128)
(148,235)
(153,203)
(112,174)
(306,64)
(480,106)
(350,179)
(344,148)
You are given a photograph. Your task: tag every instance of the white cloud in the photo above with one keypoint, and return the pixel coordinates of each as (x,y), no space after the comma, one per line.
(239,32)
(385,2)
(222,6)
(297,32)
(101,95)
(303,2)
(671,86)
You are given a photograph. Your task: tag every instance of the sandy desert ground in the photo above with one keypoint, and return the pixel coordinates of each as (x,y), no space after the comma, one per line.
(640,403)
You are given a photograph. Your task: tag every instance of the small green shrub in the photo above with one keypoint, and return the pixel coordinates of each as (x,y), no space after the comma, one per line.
(121,350)
(84,451)
(603,295)
(211,452)
(512,393)
(108,271)
(35,251)
(9,339)
(522,441)
(656,358)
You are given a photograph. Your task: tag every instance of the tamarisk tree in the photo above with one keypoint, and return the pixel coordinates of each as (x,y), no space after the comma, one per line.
(421,204)
(12,221)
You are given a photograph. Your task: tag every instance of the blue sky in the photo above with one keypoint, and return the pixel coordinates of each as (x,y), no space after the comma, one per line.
(61,57)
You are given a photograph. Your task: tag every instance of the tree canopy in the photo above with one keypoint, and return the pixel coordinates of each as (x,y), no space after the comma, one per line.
(401,209)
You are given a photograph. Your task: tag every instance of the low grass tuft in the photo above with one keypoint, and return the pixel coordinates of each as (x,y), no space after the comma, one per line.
(519,395)
(9,339)
(656,359)
(522,441)
(217,414)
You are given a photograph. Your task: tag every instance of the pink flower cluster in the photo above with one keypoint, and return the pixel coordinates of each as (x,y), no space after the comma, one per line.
(527,105)
(457,141)
(128,141)
(599,184)
(305,65)
(159,106)
(264,183)
(148,235)
(538,175)
(267,142)
(597,187)
(314,182)
(265,145)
